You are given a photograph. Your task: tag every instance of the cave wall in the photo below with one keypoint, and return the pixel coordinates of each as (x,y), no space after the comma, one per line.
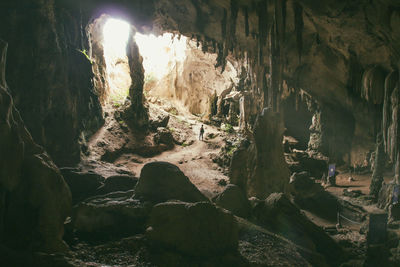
(325,48)
(50,79)
(34,198)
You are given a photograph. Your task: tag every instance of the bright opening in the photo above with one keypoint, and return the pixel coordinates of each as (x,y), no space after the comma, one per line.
(179,75)
(115,39)
(159,53)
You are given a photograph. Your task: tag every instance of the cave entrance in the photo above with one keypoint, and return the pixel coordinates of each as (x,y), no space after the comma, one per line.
(115,39)
(181,76)
(109,39)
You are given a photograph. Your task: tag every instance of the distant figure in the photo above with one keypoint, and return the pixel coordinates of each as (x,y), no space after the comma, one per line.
(201,133)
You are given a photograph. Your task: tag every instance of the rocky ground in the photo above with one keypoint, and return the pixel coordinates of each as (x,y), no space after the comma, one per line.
(131,209)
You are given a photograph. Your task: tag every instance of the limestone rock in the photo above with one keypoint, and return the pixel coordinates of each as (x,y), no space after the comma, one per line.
(82,184)
(385,195)
(198,229)
(161,120)
(164,136)
(279,215)
(34,198)
(117,183)
(162,181)
(302,186)
(115,214)
(234,200)
(268,171)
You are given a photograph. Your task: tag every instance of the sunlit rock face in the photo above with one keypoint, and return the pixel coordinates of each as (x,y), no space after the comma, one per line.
(178,70)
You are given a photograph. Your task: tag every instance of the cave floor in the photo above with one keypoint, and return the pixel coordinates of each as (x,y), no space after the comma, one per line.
(117,149)
(129,149)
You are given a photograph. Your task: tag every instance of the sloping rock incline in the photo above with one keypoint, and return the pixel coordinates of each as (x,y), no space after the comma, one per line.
(162,181)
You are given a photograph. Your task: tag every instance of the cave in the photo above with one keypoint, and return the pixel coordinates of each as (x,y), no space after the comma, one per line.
(199,133)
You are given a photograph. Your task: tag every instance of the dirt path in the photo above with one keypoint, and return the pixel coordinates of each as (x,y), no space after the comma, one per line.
(194,157)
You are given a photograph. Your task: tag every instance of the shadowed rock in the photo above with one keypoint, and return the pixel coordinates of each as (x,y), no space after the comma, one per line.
(234,200)
(34,198)
(117,183)
(82,184)
(115,214)
(162,181)
(198,229)
(280,216)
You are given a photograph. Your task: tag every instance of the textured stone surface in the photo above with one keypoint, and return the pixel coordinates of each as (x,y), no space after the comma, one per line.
(112,215)
(162,181)
(234,200)
(279,215)
(198,229)
(81,184)
(34,198)
(266,170)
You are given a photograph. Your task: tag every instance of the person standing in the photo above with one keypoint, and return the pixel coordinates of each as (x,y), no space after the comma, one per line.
(201,133)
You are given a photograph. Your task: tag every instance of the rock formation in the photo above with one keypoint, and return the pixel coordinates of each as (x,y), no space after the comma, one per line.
(34,198)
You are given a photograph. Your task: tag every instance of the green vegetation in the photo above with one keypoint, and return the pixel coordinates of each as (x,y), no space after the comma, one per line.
(117,98)
(150,78)
(173,111)
(84,52)
(228,128)
(231,150)
(184,144)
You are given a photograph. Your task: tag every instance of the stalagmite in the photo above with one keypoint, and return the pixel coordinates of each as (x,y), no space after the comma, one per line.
(377,175)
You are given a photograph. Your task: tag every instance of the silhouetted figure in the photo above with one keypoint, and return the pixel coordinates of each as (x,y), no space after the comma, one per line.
(201,133)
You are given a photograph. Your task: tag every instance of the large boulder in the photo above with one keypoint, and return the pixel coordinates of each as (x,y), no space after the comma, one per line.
(234,200)
(115,214)
(162,181)
(281,216)
(117,183)
(34,198)
(314,163)
(195,229)
(303,186)
(82,184)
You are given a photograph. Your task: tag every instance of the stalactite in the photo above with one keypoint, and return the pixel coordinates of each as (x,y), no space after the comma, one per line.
(246,21)
(262,29)
(224,22)
(298,27)
(232,24)
(397,132)
(280,24)
(283,20)
(355,75)
(390,83)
